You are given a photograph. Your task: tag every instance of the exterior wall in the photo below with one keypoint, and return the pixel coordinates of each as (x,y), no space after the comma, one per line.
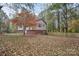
(36,32)
(41,25)
(27,28)
(39,28)
(20,28)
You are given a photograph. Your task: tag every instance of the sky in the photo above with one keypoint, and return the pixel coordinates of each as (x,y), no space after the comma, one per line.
(9,12)
(37,9)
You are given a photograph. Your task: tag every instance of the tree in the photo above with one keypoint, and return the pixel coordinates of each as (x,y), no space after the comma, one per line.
(26,19)
(56,7)
(19,6)
(61,14)
(74,26)
(0,24)
(69,12)
(0,20)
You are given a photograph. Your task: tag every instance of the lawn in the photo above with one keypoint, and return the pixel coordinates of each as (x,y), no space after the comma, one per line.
(42,45)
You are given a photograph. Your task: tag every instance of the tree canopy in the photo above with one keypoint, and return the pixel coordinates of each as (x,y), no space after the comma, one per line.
(60,16)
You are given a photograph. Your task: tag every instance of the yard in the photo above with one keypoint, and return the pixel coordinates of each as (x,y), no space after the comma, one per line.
(38,45)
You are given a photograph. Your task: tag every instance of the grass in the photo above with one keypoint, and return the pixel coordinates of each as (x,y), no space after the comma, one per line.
(74,35)
(42,45)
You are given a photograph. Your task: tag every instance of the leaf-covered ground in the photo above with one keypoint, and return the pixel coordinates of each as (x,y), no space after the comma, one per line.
(38,45)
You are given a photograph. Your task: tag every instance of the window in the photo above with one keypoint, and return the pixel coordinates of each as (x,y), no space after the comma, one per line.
(39,25)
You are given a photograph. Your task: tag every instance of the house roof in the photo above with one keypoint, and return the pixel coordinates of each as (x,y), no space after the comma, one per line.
(43,21)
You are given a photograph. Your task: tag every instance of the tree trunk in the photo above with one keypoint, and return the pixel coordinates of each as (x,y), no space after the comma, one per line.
(66,19)
(58,15)
(24,29)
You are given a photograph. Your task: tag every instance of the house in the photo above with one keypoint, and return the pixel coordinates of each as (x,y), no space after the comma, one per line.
(29,25)
(38,28)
